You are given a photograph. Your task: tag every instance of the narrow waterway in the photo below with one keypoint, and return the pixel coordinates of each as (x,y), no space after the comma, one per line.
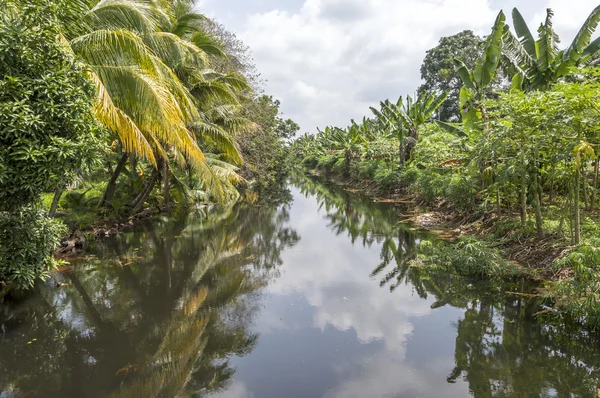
(312,298)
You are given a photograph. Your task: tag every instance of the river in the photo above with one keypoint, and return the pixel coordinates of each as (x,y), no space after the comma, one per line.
(315,297)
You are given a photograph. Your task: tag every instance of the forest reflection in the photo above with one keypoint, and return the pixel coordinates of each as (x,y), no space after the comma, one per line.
(155,313)
(161,312)
(505,345)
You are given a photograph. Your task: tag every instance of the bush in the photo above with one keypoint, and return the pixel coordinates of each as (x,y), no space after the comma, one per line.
(46,125)
(366,169)
(458,190)
(326,162)
(340,166)
(386,176)
(27,239)
(47,131)
(468,257)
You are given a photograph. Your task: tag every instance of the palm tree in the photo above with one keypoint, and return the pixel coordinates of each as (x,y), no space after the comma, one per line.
(140,97)
(537,64)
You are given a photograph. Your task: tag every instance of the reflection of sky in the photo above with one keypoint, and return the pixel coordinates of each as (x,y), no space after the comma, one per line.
(328,330)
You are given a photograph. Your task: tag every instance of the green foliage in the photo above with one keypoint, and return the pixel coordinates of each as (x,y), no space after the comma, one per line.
(264,150)
(27,239)
(386,176)
(468,257)
(439,75)
(326,162)
(579,295)
(46,124)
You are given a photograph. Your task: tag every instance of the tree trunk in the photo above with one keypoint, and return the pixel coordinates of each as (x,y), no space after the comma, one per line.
(584,184)
(523,197)
(538,206)
(133,169)
(57,195)
(109,193)
(498,206)
(139,201)
(596,171)
(565,214)
(576,210)
(410,146)
(166,185)
(401,151)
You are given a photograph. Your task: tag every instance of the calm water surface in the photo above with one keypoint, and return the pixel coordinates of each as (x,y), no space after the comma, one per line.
(314,298)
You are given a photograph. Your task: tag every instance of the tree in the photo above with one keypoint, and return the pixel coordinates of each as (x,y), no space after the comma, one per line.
(439,73)
(403,119)
(46,132)
(145,60)
(264,148)
(537,64)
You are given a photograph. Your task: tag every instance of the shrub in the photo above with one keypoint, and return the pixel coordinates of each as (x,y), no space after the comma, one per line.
(340,166)
(27,238)
(46,132)
(458,191)
(326,162)
(386,176)
(366,169)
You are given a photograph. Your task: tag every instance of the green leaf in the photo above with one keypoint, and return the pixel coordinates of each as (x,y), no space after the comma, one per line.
(452,128)
(579,46)
(464,74)
(524,34)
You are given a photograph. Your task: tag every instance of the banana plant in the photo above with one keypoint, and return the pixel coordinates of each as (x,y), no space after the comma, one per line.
(476,82)
(402,120)
(538,63)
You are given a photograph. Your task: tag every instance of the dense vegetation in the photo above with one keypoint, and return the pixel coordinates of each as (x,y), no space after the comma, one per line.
(113,107)
(519,162)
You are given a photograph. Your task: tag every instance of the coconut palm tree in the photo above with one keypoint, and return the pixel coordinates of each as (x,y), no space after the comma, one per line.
(140,97)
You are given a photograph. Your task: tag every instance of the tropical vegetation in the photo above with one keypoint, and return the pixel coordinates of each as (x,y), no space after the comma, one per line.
(517,164)
(112,107)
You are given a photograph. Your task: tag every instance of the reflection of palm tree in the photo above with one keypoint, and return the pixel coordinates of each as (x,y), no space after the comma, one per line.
(159,310)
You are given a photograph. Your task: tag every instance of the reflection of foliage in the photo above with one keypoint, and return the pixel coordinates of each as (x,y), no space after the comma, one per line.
(503,348)
(156,313)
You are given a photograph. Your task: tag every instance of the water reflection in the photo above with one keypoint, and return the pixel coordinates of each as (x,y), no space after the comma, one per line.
(156,313)
(239,306)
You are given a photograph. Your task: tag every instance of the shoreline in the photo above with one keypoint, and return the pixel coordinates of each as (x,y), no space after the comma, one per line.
(534,257)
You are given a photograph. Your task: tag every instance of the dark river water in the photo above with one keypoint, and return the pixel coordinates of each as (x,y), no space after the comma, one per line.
(313,298)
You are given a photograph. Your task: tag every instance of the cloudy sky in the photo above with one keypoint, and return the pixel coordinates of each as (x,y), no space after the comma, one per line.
(329,60)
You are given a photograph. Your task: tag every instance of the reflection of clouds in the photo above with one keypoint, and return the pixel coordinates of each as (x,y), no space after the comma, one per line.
(237,389)
(333,276)
(385,375)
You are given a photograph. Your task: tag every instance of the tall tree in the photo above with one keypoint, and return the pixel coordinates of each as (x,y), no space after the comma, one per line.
(46,131)
(439,74)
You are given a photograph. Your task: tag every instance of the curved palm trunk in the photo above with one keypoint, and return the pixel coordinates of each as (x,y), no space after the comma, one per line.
(139,201)
(109,192)
(166,186)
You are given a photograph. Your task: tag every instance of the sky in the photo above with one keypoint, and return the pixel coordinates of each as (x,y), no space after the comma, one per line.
(327,61)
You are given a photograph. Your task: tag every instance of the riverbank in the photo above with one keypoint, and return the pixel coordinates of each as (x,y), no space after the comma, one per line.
(497,234)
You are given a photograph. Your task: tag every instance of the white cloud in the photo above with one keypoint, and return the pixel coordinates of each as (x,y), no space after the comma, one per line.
(328,60)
